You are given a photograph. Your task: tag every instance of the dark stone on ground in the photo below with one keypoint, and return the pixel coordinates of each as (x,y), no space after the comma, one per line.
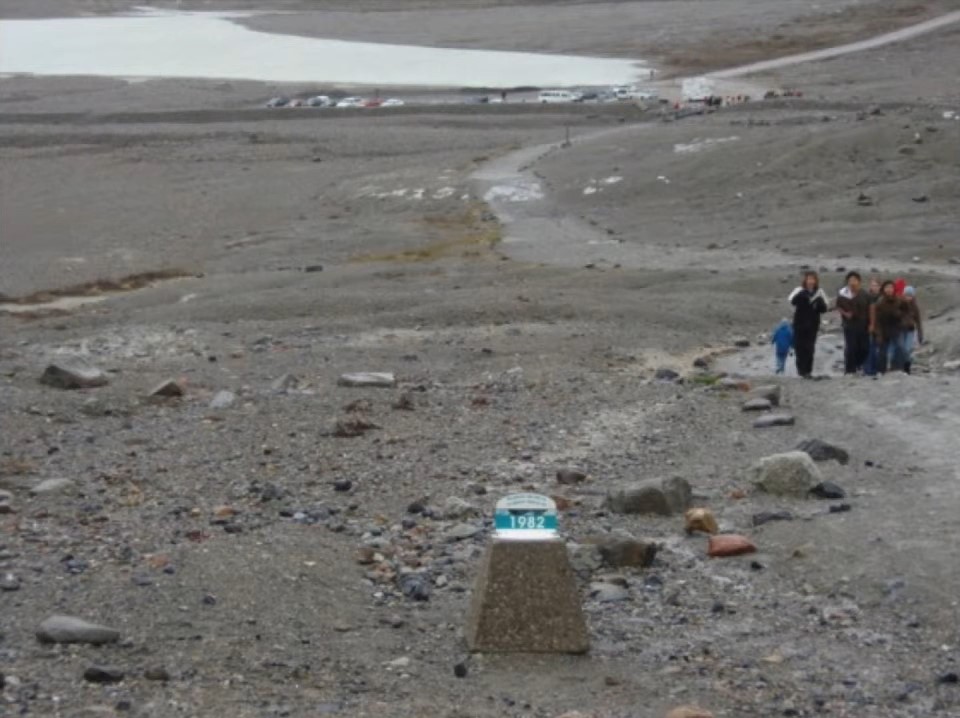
(103,674)
(840,508)
(665,374)
(570,476)
(828,490)
(342,485)
(665,498)
(765,517)
(823,451)
(460,670)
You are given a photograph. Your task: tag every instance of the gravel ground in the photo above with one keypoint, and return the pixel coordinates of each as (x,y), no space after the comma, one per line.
(253,549)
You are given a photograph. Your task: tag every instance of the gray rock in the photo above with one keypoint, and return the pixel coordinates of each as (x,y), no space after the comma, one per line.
(222,399)
(156,673)
(285,383)
(789,474)
(67,629)
(769,420)
(73,375)
(665,498)
(664,374)
(457,509)
(625,551)
(51,486)
(770,392)
(5,496)
(461,532)
(758,404)
(741,342)
(9,582)
(584,558)
(608,592)
(570,476)
(368,378)
(819,450)
(951,365)
(168,389)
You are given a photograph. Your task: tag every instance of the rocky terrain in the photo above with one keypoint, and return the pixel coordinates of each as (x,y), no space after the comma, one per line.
(250,535)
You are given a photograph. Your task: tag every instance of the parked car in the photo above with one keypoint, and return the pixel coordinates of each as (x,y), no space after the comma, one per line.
(393,102)
(295,103)
(351,102)
(482,100)
(275,102)
(554,96)
(633,93)
(375,102)
(320,101)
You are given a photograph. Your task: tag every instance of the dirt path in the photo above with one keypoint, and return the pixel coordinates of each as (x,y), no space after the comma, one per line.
(906,33)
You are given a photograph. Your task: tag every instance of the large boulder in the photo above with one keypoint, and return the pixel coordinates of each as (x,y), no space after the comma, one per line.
(789,474)
(664,498)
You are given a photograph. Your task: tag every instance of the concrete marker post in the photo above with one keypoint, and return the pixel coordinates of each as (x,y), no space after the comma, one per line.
(526,599)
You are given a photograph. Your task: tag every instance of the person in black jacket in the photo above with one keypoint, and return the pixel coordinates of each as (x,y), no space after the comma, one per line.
(809,303)
(853,303)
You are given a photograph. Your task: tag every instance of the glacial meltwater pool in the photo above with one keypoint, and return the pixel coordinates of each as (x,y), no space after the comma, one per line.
(212,45)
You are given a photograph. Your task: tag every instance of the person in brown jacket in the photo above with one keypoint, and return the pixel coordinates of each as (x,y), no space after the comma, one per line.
(912,329)
(887,317)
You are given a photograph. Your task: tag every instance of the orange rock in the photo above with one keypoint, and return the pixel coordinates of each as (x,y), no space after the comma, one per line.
(224,512)
(730,545)
(738,494)
(701,520)
(157,560)
(689,712)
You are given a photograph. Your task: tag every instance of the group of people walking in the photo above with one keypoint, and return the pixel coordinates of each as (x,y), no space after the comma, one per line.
(881,325)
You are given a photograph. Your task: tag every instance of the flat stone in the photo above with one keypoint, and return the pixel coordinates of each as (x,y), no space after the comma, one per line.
(765,422)
(664,498)
(170,388)
(73,375)
(222,399)
(570,476)
(952,365)
(461,532)
(789,474)
(624,551)
(103,674)
(67,629)
(828,490)
(664,374)
(770,392)
(765,517)
(525,600)
(605,592)
(820,450)
(758,404)
(51,486)
(689,711)
(729,545)
(368,378)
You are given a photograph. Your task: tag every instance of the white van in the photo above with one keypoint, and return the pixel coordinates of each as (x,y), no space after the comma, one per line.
(551,96)
(633,93)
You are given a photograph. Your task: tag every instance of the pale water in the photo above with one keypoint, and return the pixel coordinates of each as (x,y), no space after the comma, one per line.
(213,45)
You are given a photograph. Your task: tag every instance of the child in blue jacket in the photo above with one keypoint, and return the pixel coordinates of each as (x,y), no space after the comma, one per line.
(782,341)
